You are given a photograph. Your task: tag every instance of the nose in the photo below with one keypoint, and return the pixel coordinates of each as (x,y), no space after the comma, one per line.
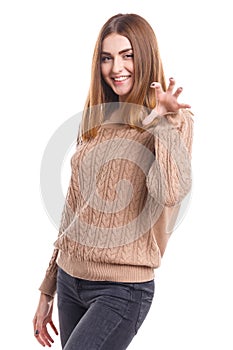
(117,65)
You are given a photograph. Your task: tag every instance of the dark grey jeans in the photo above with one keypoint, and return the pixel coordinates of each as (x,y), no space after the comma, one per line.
(100,315)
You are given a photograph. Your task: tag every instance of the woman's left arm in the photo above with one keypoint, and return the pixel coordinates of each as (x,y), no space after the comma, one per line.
(173,134)
(169,177)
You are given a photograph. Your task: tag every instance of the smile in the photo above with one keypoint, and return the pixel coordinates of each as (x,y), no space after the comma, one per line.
(121,78)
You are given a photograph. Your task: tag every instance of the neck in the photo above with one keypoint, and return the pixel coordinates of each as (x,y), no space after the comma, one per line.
(115,117)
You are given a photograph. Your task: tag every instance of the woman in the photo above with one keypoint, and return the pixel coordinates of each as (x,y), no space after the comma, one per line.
(130,173)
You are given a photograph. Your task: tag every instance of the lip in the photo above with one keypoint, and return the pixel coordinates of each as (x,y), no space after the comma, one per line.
(119,82)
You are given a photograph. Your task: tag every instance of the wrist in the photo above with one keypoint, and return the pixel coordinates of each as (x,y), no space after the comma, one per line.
(160,110)
(46,297)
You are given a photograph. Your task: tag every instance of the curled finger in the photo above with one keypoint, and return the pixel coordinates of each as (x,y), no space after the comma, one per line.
(184,105)
(178,92)
(171,85)
(36,333)
(53,327)
(47,335)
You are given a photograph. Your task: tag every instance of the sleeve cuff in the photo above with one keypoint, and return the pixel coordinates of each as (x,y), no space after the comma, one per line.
(49,285)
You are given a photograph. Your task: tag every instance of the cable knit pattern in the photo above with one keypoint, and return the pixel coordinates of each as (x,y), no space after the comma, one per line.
(122,202)
(171,169)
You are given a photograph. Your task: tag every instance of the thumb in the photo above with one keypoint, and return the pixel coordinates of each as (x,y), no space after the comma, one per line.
(53,327)
(150,117)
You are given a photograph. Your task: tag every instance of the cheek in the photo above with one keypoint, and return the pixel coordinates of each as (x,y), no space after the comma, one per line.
(105,71)
(131,66)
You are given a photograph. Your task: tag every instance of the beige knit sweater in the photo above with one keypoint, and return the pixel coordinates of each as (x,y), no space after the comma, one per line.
(122,203)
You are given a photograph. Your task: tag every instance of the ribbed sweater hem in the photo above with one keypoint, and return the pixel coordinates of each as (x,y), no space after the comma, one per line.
(103,271)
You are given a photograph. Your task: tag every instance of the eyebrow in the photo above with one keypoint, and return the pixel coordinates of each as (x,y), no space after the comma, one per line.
(122,51)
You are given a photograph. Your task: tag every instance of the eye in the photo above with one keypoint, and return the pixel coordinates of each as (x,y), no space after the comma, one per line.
(105,58)
(128,56)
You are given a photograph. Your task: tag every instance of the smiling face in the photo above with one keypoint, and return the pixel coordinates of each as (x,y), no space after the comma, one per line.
(117,65)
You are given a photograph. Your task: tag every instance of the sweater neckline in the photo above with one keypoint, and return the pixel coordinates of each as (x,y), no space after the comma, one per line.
(113,125)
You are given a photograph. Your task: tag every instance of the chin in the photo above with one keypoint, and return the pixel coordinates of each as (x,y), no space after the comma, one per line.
(122,94)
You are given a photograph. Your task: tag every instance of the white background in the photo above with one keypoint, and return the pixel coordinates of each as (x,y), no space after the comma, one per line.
(46,51)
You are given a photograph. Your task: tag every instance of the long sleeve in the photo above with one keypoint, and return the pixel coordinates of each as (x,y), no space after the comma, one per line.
(48,285)
(169,178)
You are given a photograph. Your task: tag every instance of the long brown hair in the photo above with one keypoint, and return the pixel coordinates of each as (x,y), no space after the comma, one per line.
(147,68)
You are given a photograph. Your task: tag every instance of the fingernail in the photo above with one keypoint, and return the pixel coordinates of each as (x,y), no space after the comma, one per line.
(155,85)
(171,78)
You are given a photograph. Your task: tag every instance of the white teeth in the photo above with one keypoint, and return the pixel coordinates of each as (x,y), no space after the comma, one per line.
(120,78)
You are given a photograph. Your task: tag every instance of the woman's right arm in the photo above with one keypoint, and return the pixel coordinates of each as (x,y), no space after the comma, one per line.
(43,314)
(49,283)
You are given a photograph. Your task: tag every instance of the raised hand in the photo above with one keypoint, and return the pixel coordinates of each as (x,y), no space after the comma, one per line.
(167,101)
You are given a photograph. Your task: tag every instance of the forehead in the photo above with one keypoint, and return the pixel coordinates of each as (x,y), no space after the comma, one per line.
(114,43)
